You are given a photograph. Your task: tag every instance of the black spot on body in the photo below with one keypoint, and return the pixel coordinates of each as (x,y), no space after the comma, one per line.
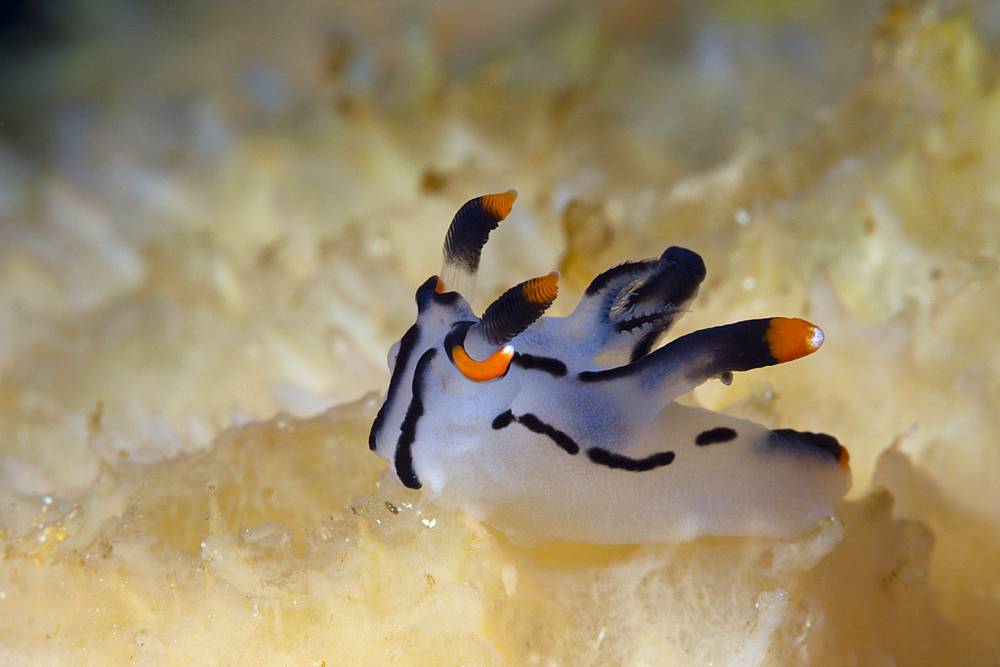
(715,436)
(503,420)
(808,443)
(618,462)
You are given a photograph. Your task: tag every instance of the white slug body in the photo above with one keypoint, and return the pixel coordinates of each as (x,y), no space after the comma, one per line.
(552,428)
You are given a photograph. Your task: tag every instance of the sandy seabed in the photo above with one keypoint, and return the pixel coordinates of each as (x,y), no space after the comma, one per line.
(212,228)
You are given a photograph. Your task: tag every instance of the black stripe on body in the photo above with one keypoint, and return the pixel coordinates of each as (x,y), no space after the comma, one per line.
(644,345)
(715,436)
(610,374)
(536,425)
(618,462)
(406,345)
(531,362)
(408,429)
(595,454)
(533,423)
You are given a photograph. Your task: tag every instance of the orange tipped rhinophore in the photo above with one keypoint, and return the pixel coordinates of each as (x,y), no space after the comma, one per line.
(480,371)
(792,338)
(499,204)
(468,233)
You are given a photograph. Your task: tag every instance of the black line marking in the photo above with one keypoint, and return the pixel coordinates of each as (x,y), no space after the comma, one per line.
(715,436)
(618,462)
(503,420)
(645,344)
(531,362)
(806,442)
(456,337)
(536,425)
(408,429)
(406,345)
(533,423)
(610,374)
(376,427)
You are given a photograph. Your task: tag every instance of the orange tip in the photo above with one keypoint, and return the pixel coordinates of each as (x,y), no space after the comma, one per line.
(499,204)
(481,371)
(541,290)
(844,459)
(791,338)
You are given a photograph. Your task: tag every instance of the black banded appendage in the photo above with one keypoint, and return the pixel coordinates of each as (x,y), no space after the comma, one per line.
(471,227)
(705,353)
(517,309)
(648,295)
(673,278)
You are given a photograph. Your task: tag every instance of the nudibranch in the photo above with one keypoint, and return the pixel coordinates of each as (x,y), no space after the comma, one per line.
(566,428)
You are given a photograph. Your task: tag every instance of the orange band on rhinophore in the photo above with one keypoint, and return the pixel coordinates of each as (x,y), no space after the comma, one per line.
(791,338)
(499,204)
(480,371)
(541,290)
(439,287)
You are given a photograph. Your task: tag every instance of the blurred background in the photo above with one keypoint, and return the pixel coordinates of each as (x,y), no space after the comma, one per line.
(207,210)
